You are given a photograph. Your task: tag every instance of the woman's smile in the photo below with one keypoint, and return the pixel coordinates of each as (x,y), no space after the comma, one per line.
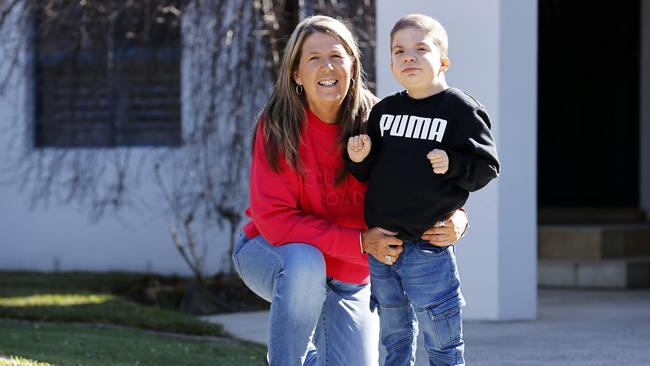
(328,83)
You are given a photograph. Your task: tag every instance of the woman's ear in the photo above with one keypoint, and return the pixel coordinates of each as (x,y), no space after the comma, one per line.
(296,77)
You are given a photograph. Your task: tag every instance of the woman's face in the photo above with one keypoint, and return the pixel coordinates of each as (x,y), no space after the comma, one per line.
(325,70)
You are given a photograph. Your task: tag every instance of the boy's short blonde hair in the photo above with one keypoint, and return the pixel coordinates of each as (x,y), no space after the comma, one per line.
(432,27)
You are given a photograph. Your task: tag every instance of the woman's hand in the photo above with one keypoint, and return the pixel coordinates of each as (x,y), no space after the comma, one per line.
(381,244)
(449,231)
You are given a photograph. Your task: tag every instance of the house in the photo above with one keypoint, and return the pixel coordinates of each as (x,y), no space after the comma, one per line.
(95,169)
(567,87)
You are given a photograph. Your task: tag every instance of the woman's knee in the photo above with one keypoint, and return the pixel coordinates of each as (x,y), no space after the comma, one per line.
(303,260)
(303,269)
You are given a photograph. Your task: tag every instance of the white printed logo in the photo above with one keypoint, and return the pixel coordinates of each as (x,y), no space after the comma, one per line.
(413,127)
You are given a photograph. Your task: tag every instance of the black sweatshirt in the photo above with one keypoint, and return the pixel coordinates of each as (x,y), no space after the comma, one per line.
(404,194)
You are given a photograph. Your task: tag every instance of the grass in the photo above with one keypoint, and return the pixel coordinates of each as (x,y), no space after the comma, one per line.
(20,361)
(60,319)
(85,297)
(74,344)
(120,283)
(86,308)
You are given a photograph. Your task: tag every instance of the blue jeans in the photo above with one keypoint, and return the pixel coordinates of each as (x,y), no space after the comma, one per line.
(421,289)
(314,320)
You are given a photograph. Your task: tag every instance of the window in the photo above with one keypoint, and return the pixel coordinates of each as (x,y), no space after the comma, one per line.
(107,74)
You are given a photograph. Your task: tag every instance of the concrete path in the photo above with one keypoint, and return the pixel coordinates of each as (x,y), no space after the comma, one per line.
(252,326)
(574,328)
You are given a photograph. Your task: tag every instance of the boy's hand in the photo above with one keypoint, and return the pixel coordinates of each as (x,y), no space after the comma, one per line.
(439,161)
(359,147)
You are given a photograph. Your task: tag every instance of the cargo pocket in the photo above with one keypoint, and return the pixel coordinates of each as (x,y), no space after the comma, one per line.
(447,326)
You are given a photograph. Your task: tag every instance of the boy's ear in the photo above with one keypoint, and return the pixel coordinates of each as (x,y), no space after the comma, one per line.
(444,63)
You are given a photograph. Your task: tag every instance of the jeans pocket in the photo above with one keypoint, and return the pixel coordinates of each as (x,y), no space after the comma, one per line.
(378,269)
(429,250)
(448,327)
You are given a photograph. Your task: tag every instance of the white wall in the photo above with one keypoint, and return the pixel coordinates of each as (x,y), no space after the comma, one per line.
(61,236)
(493,52)
(644,104)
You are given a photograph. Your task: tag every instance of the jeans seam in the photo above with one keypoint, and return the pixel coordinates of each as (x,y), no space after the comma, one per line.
(395,306)
(279,283)
(235,261)
(325,342)
(400,342)
(447,312)
(435,330)
(454,358)
(432,305)
(276,292)
(453,337)
(238,248)
(235,254)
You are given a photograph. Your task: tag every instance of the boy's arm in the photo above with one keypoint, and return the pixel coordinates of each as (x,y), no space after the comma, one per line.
(474,162)
(361,170)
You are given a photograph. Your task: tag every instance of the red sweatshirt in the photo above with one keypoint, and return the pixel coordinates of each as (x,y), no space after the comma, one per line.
(287,207)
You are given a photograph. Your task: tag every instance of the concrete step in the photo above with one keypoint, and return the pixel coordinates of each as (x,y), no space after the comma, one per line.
(592,215)
(592,242)
(609,273)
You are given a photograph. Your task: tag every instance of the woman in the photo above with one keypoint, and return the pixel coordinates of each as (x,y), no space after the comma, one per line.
(304,249)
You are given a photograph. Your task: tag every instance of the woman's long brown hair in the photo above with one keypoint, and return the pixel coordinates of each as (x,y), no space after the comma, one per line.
(284,114)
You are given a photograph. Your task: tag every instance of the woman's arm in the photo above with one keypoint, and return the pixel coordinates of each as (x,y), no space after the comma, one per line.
(453,228)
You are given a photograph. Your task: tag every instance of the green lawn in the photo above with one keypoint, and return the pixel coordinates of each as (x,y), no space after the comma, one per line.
(71,318)
(74,344)
(20,361)
(87,297)
(101,308)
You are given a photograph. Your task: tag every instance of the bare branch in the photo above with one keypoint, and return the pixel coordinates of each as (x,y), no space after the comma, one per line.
(6,9)
(181,249)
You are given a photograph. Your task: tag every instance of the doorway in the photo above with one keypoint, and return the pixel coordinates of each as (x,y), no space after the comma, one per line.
(588,111)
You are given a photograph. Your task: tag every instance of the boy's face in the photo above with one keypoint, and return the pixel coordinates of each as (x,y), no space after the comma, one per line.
(416,61)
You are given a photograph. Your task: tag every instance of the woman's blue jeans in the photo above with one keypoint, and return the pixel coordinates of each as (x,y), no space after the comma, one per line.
(314,320)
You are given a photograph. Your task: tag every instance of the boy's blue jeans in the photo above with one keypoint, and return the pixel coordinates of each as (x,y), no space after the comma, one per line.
(314,320)
(422,287)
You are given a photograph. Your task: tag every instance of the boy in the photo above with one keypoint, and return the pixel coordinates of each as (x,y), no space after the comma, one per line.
(427,148)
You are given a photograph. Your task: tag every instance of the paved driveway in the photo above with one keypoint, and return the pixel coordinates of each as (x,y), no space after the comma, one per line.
(574,328)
